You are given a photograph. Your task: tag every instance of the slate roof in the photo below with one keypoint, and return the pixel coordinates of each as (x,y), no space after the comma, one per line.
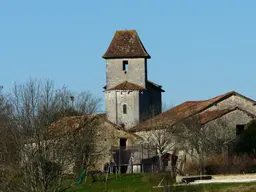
(126,44)
(183,111)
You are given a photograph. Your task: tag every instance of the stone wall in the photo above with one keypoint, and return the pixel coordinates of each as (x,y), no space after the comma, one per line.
(225,126)
(235,101)
(110,136)
(155,100)
(114,107)
(150,103)
(136,73)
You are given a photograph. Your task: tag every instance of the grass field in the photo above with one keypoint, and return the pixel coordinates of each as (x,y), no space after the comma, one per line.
(145,183)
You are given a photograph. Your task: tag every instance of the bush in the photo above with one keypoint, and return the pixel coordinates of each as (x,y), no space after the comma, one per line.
(191,168)
(235,165)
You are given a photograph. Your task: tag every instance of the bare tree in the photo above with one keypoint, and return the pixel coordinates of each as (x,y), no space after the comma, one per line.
(8,145)
(84,142)
(44,152)
(6,142)
(203,140)
(219,134)
(160,137)
(193,137)
(161,140)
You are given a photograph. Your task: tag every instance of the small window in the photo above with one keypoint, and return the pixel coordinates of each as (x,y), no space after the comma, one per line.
(239,129)
(122,142)
(125,65)
(124,108)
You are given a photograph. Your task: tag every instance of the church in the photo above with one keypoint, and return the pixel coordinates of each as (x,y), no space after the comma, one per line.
(130,97)
(134,106)
(133,102)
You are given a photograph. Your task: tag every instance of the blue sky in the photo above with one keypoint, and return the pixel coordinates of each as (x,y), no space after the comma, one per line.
(199,49)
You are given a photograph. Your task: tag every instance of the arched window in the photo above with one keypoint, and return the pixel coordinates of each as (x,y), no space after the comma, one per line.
(124,108)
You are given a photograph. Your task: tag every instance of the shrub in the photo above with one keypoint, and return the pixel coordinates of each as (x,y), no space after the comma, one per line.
(191,168)
(235,165)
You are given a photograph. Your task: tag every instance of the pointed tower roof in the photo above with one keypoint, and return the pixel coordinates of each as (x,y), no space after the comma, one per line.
(126,44)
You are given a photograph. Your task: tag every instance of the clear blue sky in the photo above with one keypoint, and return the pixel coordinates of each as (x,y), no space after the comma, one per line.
(199,49)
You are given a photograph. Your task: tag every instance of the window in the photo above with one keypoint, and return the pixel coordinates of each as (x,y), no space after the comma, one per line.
(124,108)
(239,129)
(125,65)
(122,143)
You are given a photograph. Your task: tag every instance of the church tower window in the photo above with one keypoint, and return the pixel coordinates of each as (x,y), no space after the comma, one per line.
(124,109)
(125,65)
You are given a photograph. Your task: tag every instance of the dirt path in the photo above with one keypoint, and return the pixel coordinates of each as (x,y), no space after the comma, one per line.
(241,178)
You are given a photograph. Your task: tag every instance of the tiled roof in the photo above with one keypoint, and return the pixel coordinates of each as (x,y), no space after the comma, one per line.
(154,85)
(127,86)
(74,123)
(182,111)
(71,124)
(126,44)
(208,116)
(149,83)
(171,116)
(229,94)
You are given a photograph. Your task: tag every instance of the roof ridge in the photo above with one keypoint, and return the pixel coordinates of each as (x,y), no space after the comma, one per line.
(141,44)
(126,85)
(126,44)
(228,94)
(222,112)
(155,85)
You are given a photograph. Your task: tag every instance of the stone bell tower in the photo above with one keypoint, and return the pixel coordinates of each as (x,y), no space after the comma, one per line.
(130,96)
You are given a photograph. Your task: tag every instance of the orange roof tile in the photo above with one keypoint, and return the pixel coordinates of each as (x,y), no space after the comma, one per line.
(183,111)
(171,116)
(149,83)
(74,123)
(70,124)
(208,116)
(127,86)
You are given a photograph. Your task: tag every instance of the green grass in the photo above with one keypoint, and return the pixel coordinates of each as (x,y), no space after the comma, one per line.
(145,182)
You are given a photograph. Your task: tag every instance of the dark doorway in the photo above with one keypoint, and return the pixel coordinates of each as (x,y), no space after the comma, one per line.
(123,156)
(123,143)
(239,129)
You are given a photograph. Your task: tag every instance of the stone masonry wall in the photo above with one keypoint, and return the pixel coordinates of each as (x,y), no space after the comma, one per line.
(110,136)
(225,126)
(114,107)
(235,101)
(136,73)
